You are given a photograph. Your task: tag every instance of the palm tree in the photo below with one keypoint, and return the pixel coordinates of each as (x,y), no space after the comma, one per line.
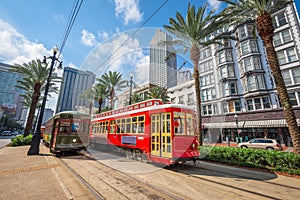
(189,35)
(113,81)
(158,93)
(260,12)
(135,98)
(89,96)
(100,93)
(34,76)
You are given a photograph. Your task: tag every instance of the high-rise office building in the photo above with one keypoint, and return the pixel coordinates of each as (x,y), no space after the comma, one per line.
(10,98)
(163,62)
(75,82)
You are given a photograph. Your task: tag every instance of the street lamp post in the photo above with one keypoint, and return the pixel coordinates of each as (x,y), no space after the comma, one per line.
(130,91)
(237,127)
(35,143)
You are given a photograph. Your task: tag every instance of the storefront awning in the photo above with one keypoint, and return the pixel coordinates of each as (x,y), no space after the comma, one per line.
(250,124)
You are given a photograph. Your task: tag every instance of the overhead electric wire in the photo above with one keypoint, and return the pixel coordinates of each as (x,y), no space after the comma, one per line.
(76,7)
(115,51)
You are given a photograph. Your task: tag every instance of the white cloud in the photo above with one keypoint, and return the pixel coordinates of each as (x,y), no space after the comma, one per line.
(129,10)
(103,35)
(15,48)
(215,4)
(120,53)
(88,38)
(142,71)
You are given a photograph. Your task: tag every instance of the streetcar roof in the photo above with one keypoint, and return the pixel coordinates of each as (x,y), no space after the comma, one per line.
(150,108)
(72,113)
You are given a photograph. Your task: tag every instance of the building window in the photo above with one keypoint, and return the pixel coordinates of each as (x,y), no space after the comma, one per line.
(231,106)
(280,20)
(293,98)
(266,102)
(296,75)
(190,98)
(205,53)
(181,101)
(282,38)
(207,79)
(245,48)
(208,94)
(206,66)
(215,109)
(242,32)
(207,110)
(224,56)
(260,82)
(286,56)
(286,77)
(229,88)
(225,107)
(258,103)
(227,71)
(254,82)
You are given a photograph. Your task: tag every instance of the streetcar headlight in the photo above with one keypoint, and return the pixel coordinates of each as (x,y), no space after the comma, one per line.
(74,140)
(193,145)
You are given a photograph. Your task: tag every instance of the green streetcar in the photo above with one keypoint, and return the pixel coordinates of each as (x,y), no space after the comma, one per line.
(67,131)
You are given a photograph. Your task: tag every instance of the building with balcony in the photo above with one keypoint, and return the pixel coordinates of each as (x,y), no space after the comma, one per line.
(238,92)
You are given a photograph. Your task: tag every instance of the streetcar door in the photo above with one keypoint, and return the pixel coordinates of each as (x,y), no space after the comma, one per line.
(54,133)
(161,144)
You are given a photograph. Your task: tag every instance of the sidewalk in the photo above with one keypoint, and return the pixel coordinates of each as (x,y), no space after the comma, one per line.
(37,177)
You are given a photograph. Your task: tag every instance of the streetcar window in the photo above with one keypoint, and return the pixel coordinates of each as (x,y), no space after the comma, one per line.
(179,123)
(190,124)
(112,126)
(128,125)
(64,129)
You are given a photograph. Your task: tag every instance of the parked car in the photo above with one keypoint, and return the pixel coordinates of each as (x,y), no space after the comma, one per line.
(261,143)
(6,133)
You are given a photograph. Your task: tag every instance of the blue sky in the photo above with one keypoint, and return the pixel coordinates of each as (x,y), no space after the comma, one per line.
(29,29)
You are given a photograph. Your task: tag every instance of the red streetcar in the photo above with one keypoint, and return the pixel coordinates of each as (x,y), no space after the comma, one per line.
(150,130)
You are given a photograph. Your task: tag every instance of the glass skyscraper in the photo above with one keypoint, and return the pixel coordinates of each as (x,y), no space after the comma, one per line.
(75,82)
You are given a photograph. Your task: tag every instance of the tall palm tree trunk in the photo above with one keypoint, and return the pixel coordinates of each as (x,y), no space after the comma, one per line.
(35,97)
(100,101)
(195,56)
(266,30)
(112,95)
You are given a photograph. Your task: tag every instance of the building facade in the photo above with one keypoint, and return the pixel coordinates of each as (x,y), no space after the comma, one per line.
(163,62)
(75,82)
(10,99)
(238,92)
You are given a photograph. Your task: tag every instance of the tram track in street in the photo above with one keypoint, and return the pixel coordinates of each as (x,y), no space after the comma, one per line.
(235,177)
(186,182)
(115,184)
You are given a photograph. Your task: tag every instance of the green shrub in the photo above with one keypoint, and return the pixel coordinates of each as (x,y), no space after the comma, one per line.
(256,158)
(20,140)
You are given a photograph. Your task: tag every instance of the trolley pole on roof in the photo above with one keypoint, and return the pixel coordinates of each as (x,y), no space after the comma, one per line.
(35,143)
(130,90)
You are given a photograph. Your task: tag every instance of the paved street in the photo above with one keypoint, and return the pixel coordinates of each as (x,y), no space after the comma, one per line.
(45,177)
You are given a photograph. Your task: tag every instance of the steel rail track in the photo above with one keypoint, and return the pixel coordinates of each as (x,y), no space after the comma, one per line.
(99,196)
(82,180)
(173,196)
